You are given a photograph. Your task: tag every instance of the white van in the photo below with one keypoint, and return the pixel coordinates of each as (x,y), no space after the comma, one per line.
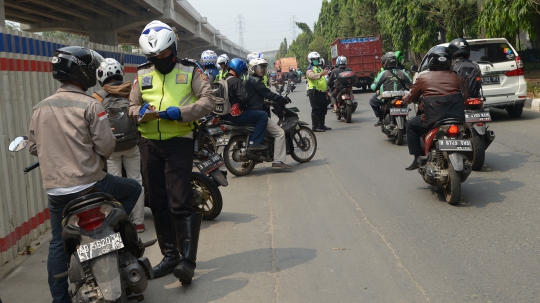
(503,82)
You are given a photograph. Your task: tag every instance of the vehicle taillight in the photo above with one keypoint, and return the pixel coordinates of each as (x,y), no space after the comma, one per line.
(215,120)
(398,103)
(474,101)
(518,71)
(223,128)
(452,131)
(91,219)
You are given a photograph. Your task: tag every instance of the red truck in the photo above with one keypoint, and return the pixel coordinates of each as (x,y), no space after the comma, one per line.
(363,56)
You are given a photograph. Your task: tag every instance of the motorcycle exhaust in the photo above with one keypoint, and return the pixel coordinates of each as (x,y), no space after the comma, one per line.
(252,156)
(488,138)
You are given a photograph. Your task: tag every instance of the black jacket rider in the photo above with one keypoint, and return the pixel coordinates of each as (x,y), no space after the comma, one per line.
(257,92)
(334,73)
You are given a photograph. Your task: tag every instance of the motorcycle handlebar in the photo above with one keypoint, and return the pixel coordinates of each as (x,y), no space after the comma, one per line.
(31,167)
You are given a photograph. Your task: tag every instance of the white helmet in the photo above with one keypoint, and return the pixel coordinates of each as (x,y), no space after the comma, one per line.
(109,68)
(312,56)
(223,59)
(257,63)
(208,58)
(157,37)
(341,60)
(255,55)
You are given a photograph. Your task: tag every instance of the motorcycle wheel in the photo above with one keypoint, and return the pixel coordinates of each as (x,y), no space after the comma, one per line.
(304,145)
(399,136)
(206,196)
(452,189)
(208,143)
(237,168)
(478,154)
(348,114)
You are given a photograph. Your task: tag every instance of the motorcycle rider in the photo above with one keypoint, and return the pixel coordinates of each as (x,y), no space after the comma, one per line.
(239,102)
(222,62)
(392,79)
(292,75)
(317,92)
(72,139)
(465,67)
(114,97)
(341,62)
(255,55)
(167,145)
(438,82)
(257,92)
(208,61)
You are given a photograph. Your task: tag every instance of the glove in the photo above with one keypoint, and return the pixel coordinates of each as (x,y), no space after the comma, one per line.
(143,110)
(172,113)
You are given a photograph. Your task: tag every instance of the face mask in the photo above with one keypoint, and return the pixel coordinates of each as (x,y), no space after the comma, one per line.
(164,65)
(315,62)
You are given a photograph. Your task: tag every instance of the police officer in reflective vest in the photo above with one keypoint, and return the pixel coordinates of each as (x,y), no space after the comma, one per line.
(317,92)
(167,96)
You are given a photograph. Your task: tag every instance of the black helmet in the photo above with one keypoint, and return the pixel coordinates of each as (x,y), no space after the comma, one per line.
(76,64)
(440,58)
(389,60)
(460,48)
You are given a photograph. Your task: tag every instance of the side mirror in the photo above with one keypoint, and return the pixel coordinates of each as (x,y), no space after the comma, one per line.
(372,75)
(18,144)
(414,68)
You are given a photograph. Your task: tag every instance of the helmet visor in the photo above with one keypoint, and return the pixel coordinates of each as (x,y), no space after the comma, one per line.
(260,70)
(96,59)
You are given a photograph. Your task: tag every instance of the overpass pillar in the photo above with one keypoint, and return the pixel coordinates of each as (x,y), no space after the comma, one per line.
(2,14)
(107,37)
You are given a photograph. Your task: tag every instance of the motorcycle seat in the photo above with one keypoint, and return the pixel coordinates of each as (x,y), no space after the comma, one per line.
(85,201)
(236,124)
(448,121)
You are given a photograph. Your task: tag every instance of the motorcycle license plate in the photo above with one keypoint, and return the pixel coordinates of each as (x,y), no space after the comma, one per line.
(478,117)
(100,247)
(399,111)
(214,161)
(453,145)
(214,131)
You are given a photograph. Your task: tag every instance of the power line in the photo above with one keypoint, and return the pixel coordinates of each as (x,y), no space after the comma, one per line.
(293,26)
(240,29)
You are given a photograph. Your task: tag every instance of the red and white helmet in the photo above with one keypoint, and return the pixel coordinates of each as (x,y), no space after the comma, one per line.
(108,69)
(157,37)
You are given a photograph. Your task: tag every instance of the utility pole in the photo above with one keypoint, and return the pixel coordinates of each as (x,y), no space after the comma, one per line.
(240,29)
(293,26)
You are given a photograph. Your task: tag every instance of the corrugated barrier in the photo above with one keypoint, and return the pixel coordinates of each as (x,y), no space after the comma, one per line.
(25,80)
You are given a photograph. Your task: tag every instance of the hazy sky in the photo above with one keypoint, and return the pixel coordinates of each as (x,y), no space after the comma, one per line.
(266,22)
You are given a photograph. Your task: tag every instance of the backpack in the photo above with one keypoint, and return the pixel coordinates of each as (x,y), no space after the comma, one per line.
(124,125)
(472,74)
(221,91)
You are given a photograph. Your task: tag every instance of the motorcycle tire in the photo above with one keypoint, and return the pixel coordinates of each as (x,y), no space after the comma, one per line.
(237,168)
(478,154)
(208,143)
(452,189)
(399,136)
(305,152)
(348,114)
(206,196)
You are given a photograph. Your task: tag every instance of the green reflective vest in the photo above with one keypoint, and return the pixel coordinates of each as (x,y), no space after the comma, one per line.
(162,91)
(220,76)
(317,84)
(265,81)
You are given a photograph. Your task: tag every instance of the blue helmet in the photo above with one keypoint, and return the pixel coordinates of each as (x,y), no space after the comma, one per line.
(238,65)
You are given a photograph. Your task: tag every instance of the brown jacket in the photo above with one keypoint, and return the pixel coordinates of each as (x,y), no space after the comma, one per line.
(71,137)
(436,83)
(200,85)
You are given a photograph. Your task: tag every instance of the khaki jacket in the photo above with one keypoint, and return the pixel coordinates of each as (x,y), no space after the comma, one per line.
(71,137)
(202,89)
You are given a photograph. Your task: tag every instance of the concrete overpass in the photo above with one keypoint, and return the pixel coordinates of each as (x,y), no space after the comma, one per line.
(115,22)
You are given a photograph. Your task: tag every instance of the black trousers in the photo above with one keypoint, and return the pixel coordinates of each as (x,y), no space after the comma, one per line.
(166,168)
(415,130)
(319,104)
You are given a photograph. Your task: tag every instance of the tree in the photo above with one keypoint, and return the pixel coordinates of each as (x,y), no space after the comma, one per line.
(64,35)
(13,25)
(283,49)
(300,46)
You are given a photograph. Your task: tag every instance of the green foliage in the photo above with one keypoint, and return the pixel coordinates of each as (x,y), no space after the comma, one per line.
(63,35)
(299,48)
(505,17)
(282,51)
(13,25)
(533,87)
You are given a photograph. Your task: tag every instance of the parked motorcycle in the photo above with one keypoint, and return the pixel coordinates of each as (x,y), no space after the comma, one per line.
(290,85)
(106,255)
(346,105)
(301,142)
(477,131)
(395,115)
(445,162)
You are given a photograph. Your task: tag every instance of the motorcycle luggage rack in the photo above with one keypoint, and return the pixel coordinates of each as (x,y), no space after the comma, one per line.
(391,94)
(85,201)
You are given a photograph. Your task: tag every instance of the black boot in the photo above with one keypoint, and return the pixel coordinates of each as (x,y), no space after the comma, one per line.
(414,165)
(314,122)
(322,123)
(166,240)
(187,240)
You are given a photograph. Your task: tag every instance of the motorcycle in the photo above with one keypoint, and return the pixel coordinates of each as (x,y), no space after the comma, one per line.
(106,255)
(290,85)
(477,131)
(346,105)
(445,162)
(395,114)
(301,142)
(279,88)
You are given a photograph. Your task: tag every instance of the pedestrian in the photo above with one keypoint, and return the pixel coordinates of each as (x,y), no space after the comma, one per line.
(317,92)
(170,94)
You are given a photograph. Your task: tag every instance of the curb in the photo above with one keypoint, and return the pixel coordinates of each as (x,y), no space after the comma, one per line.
(533,104)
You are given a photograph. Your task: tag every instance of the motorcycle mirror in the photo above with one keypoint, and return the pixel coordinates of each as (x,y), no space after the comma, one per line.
(18,144)
(115,113)
(372,75)
(414,68)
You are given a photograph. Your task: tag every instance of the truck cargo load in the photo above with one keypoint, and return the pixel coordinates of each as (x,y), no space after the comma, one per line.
(285,64)
(363,56)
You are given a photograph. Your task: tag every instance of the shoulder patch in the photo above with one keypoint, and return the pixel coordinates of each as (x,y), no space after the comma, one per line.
(145,65)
